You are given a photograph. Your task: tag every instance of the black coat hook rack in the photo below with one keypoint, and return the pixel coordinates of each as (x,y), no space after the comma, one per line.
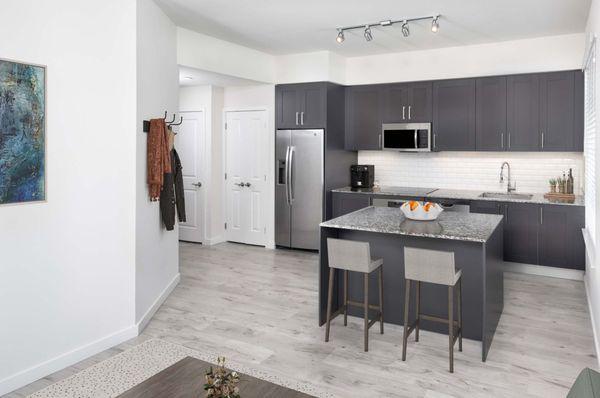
(146,124)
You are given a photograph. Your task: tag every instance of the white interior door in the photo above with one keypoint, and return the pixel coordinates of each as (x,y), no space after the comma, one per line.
(189,143)
(246,185)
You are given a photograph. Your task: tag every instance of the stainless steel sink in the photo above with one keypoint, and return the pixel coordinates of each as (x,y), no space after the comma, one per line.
(504,195)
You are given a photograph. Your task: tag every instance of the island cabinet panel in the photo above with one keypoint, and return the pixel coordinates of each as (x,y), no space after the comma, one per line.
(454,115)
(344,203)
(561,240)
(523,110)
(491,114)
(557,111)
(363,117)
(521,221)
(301,105)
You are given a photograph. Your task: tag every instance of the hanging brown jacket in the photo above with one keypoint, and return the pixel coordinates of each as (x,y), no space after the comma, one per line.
(157,157)
(172,195)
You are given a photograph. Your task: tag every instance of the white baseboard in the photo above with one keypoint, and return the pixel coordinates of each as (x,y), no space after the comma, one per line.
(62,361)
(214,241)
(563,273)
(143,322)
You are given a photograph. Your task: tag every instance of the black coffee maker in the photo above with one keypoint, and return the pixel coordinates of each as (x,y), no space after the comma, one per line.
(362,176)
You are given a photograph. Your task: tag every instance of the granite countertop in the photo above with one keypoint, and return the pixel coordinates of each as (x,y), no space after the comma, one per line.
(465,194)
(449,225)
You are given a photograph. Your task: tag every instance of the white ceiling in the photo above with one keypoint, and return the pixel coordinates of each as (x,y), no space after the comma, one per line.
(294,26)
(198,77)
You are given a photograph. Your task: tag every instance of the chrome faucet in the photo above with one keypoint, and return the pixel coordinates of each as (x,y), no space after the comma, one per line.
(509,187)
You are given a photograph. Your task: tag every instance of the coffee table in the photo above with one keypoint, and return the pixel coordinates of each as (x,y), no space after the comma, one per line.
(186,378)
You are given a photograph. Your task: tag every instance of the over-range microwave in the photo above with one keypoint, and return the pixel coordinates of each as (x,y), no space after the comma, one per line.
(406,137)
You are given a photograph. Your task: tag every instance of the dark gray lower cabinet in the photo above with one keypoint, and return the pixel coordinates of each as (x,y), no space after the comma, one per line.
(560,240)
(521,232)
(547,235)
(344,203)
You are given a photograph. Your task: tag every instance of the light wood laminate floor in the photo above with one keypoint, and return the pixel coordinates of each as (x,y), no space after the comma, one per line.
(259,306)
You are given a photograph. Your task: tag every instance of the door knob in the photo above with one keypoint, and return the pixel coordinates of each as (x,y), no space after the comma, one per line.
(197,184)
(240,184)
(248,184)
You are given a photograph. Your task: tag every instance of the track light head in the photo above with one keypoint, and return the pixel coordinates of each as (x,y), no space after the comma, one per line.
(340,37)
(435,25)
(368,34)
(405,29)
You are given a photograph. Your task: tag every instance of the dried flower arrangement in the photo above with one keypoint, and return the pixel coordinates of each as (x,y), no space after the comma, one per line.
(220,383)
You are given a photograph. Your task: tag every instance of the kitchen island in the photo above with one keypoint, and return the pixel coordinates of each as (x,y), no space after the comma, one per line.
(475,239)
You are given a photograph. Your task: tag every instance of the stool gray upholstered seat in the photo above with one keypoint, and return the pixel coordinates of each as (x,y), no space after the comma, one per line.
(348,255)
(438,267)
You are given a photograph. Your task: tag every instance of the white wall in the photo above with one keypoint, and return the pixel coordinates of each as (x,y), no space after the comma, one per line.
(509,57)
(208,53)
(67,272)
(157,250)
(310,67)
(259,97)
(592,274)
(473,170)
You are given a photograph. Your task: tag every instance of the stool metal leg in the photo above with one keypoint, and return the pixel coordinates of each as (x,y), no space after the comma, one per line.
(418,310)
(406,307)
(345,297)
(381,299)
(451,327)
(329,299)
(460,314)
(366,278)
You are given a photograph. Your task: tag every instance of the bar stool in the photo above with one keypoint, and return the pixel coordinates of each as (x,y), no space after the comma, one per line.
(432,266)
(354,256)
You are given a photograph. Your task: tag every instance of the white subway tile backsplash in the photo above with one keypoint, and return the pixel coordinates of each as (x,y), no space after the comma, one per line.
(473,170)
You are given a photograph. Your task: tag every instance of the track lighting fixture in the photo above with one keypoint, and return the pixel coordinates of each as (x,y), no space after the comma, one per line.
(405,29)
(435,27)
(368,34)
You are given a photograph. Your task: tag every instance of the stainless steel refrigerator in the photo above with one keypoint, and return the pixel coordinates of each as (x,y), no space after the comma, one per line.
(299,188)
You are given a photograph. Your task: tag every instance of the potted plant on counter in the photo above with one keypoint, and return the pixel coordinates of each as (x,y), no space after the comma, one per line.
(552,183)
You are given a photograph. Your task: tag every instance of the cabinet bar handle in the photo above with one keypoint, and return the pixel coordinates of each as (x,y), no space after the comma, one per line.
(409,111)
(434,140)
(502,140)
(509,140)
(541,215)
(302,118)
(542,140)
(296,118)
(403,108)
(380,141)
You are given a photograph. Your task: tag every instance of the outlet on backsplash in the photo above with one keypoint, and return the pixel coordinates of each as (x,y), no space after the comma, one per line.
(473,170)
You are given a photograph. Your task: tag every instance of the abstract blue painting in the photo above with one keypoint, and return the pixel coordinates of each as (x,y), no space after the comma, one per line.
(22,132)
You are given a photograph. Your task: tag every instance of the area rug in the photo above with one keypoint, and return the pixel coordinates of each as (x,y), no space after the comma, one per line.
(115,375)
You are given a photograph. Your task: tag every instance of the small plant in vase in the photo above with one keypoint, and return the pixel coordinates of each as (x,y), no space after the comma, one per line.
(221,383)
(552,183)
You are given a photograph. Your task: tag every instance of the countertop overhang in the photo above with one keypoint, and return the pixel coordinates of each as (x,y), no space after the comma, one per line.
(470,227)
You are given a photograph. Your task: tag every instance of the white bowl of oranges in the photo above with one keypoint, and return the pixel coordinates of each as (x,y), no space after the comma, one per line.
(421,211)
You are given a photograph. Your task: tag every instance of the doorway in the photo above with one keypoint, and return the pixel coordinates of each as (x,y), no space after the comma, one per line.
(246,167)
(190,144)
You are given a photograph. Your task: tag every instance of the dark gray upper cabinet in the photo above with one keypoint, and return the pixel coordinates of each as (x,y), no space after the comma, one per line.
(523,110)
(301,105)
(521,232)
(454,115)
(420,102)
(363,117)
(561,240)
(557,111)
(395,100)
(491,114)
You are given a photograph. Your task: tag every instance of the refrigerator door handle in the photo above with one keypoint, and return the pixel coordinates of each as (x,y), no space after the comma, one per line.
(287,175)
(291,174)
